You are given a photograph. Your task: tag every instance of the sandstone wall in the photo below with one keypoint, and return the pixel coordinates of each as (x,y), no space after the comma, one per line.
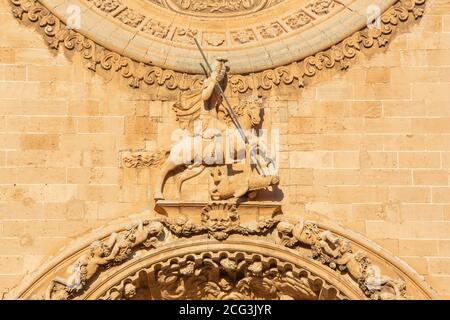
(369,147)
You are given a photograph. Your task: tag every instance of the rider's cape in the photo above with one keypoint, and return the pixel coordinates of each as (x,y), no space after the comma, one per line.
(190,105)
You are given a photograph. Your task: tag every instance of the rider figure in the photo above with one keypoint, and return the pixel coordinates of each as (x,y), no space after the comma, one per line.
(203,105)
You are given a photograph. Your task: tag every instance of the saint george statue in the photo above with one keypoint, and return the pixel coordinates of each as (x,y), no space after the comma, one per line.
(215,135)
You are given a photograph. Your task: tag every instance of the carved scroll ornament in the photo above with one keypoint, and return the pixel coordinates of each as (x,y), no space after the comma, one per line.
(332,251)
(338,56)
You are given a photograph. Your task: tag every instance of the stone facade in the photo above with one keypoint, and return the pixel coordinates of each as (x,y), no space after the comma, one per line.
(367,148)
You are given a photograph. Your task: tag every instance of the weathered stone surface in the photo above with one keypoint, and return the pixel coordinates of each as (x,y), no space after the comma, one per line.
(367,148)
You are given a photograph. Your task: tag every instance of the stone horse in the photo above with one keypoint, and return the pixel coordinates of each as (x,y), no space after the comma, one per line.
(215,142)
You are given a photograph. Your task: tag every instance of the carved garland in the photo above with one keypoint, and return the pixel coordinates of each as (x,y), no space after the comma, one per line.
(338,56)
(331,250)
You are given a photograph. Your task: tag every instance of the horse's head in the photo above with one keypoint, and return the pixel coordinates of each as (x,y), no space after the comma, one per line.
(250,108)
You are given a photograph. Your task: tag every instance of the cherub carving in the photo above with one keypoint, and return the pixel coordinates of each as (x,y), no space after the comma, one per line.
(357,265)
(116,249)
(307,233)
(83,269)
(141,232)
(384,287)
(337,253)
(347,260)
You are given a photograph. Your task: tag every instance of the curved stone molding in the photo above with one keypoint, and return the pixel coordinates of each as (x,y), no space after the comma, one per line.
(300,251)
(251,41)
(138,71)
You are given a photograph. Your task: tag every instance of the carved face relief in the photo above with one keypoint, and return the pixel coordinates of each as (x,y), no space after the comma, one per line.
(220,219)
(129,291)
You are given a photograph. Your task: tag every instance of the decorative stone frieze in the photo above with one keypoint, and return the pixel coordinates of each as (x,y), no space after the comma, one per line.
(293,70)
(345,268)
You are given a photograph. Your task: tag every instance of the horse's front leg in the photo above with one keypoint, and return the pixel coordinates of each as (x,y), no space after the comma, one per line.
(164,170)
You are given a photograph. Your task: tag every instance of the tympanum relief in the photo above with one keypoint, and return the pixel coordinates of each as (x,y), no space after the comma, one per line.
(224,276)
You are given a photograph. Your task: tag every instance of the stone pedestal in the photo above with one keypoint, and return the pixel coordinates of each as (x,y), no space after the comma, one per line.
(248,211)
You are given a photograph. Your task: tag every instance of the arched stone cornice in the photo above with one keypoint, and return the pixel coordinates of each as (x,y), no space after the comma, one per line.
(346,264)
(143,59)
